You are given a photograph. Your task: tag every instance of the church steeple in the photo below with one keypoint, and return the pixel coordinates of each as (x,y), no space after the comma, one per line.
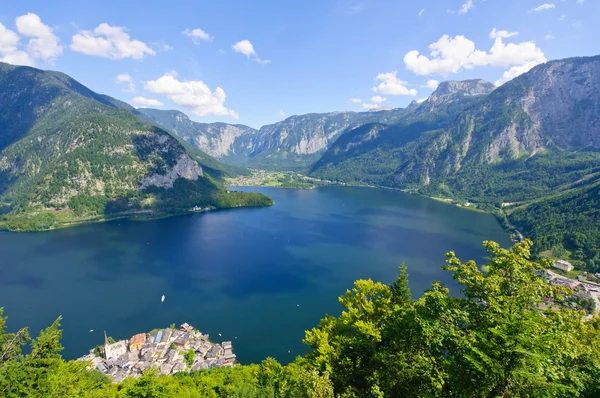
(105,338)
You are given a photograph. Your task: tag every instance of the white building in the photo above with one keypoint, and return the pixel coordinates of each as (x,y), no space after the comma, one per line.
(115,350)
(563,265)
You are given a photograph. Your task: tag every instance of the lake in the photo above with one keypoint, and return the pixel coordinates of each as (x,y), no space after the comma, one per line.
(259,277)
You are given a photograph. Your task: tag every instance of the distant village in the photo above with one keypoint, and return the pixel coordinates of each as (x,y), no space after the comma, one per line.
(582,287)
(168,350)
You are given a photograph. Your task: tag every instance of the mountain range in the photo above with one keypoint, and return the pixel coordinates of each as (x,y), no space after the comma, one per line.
(69,155)
(528,143)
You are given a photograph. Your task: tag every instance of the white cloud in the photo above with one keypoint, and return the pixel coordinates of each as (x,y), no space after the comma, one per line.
(197,35)
(161,46)
(43,43)
(370,106)
(503,34)
(245,47)
(451,54)
(546,6)
(193,95)
(421,12)
(549,36)
(562,17)
(355,100)
(146,101)
(378,99)
(391,85)
(467,5)
(110,42)
(281,113)
(580,1)
(432,84)
(515,71)
(9,52)
(422,100)
(123,77)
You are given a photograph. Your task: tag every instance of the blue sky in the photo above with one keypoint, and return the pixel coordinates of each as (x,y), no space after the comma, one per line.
(257,63)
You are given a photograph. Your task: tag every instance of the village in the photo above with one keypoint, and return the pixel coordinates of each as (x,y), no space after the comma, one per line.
(169,351)
(583,289)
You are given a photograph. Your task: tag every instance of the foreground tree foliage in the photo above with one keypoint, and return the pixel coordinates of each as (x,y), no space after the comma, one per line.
(493,341)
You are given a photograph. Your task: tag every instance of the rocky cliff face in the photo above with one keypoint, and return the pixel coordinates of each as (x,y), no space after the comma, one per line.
(230,142)
(295,142)
(468,125)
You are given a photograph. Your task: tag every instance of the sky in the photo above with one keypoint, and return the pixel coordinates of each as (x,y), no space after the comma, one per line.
(257,64)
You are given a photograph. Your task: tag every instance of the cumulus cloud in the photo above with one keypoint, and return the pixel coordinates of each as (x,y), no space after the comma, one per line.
(546,6)
(193,95)
(452,54)
(549,36)
(503,34)
(197,35)
(370,106)
(355,100)
(391,85)
(9,52)
(432,84)
(143,101)
(467,5)
(42,44)
(245,47)
(515,71)
(378,99)
(281,113)
(110,42)
(125,78)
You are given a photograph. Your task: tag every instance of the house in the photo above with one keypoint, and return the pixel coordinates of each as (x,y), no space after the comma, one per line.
(183,341)
(137,342)
(214,352)
(563,265)
(166,335)
(179,367)
(166,368)
(158,337)
(185,327)
(115,350)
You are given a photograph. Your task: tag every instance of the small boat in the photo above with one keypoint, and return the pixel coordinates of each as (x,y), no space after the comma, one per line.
(162,299)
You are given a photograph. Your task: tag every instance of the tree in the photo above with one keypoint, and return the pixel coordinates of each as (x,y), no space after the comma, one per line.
(494,341)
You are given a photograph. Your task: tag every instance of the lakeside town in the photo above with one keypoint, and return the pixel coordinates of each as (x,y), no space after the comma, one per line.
(168,350)
(586,289)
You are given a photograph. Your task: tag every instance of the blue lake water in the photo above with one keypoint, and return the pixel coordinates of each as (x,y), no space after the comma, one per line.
(259,277)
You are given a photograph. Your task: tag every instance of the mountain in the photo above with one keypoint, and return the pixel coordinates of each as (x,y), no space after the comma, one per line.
(375,152)
(534,140)
(293,143)
(221,140)
(68,155)
(551,110)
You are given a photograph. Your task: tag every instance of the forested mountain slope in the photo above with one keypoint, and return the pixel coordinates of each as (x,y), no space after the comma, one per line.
(294,143)
(536,136)
(68,154)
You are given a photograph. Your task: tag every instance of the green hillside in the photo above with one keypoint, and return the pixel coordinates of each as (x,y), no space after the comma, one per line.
(69,155)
